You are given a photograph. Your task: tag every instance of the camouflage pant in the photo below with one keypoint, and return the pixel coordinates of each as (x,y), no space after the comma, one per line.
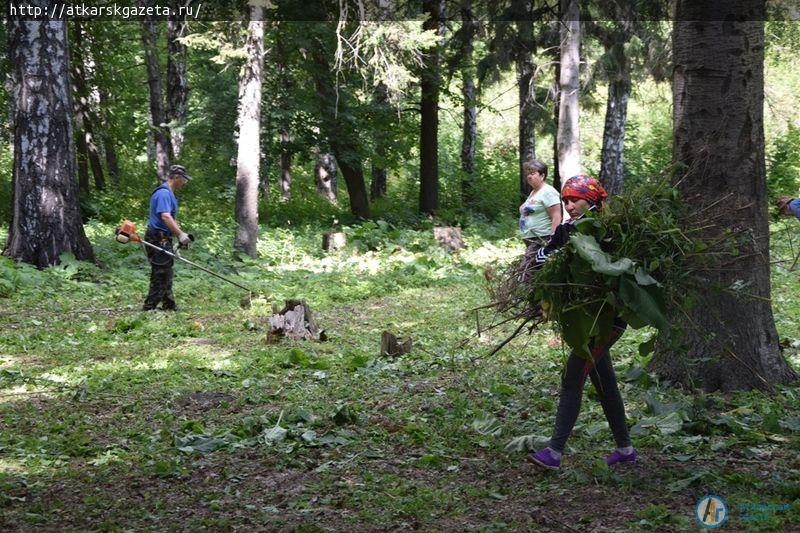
(161,273)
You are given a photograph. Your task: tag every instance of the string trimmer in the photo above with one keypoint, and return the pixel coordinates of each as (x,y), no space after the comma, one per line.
(127,233)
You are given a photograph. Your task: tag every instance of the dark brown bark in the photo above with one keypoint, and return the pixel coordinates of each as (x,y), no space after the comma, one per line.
(377,187)
(249,123)
(469,136)
(177,84)
(429,114)
(379,174)
(728,339)
(325,176)
(45,219)
(612,158)
(340,131)
(87,149)
(527,134)
(94,155)
(353,174)
(103,122)
(158,116)
(109,148)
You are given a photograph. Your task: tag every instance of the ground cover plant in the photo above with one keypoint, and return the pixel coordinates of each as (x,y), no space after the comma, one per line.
(117,419)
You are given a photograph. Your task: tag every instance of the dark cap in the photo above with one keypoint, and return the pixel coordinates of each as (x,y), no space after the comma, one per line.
(178,170)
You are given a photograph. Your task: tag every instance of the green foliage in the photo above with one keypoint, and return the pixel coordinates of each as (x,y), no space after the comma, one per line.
(99,394)
(648,148)
(784,163)
(630,259)
(6,169)
(10,279)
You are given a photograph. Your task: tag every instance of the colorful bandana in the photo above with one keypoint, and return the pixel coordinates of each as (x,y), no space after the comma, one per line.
(583,186)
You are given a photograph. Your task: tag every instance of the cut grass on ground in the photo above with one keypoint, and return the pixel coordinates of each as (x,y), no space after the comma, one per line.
(116,419)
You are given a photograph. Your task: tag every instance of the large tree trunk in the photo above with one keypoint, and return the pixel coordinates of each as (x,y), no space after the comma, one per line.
(429,114)
(157,114)
(177,85)
(340,131)
(45,219)
(612,158)
(469,138)
(249,123)
(728,339)
(286,165)
(569,144)
(325,176)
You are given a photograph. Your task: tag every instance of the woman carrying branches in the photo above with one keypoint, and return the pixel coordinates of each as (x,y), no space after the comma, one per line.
(581,194)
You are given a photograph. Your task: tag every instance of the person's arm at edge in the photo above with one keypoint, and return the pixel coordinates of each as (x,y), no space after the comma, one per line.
(554,211)
(173,226)
(794,207)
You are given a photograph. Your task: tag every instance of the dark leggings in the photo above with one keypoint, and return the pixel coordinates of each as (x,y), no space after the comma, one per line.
(604,381)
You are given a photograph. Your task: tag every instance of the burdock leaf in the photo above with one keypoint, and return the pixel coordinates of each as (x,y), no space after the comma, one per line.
(645,304)
(588,248)
(577,330)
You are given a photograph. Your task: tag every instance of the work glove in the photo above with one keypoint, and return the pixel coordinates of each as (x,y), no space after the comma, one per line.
(185,239)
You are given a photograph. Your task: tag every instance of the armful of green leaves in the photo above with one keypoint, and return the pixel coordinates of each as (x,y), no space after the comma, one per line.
(628,260)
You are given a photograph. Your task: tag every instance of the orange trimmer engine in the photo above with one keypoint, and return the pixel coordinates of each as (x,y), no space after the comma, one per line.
(127,233)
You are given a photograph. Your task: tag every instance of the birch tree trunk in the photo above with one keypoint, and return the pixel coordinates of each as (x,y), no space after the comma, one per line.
(612,158)
(249,123)
(177,84)
(286,165)
(325,176)
(469,137)
(569,145)
(556,93)
(157,114)
(45,219)
(727,340)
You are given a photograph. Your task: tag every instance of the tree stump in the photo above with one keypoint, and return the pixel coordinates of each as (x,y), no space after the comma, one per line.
(391,346)
(333,240)
(295,322)
(449,238)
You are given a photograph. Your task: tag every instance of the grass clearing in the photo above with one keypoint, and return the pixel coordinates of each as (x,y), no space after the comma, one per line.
(117,419)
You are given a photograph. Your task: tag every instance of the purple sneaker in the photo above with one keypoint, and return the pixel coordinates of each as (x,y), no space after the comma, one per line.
(545,459)
(619,457)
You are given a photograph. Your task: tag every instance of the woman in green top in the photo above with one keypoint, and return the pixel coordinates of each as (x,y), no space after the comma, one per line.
(540,213)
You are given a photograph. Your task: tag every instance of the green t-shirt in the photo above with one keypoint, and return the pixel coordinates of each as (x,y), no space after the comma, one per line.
(533,218)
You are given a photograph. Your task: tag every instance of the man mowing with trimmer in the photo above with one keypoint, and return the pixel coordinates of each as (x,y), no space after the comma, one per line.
(162,225)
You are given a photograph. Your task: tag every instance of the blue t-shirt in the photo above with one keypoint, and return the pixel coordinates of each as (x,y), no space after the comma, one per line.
(794,207)
(162,200)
